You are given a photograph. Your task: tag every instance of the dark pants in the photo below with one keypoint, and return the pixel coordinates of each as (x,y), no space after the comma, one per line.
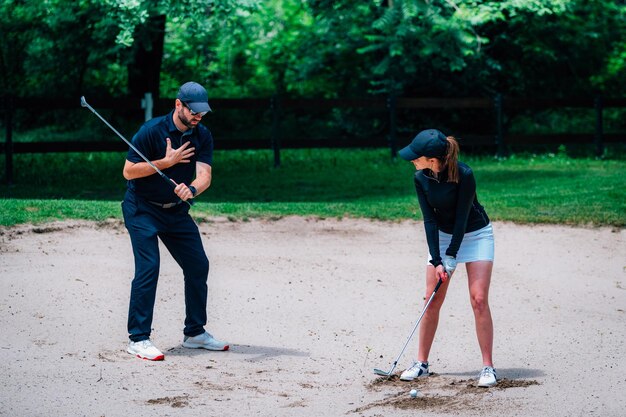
(146,223)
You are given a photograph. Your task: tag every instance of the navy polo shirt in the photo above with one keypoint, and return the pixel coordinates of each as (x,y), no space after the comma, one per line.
(150,141)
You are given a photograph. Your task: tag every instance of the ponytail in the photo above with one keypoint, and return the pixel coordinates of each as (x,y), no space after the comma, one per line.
(451,158)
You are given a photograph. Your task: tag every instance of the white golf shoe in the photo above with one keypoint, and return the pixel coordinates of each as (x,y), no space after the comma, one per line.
(144,349)
(417,370)
(204,341)
(487,377)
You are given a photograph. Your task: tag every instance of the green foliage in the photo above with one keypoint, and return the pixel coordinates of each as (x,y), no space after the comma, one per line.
(321,48)
(202,44)
(18,23)
(562,51)
(479,45)
(410,38)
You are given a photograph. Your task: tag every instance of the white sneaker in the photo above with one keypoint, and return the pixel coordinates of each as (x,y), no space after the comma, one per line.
(204,341)
(417,370)
(144,349)
(487,377)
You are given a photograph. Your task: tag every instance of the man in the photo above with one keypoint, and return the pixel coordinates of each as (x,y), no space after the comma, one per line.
(182,148)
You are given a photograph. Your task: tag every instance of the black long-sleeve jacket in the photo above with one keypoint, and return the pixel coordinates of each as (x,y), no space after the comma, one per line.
(450,207)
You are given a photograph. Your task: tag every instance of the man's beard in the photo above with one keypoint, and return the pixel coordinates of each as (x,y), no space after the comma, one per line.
(185,120)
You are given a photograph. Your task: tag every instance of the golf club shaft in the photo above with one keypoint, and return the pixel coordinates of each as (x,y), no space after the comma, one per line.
(84,103)
(416,325)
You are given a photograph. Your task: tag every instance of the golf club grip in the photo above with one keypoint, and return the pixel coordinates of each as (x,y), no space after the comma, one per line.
(166,178)
(438,285)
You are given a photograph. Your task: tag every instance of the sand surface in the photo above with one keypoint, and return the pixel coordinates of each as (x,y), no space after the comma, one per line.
(310,307)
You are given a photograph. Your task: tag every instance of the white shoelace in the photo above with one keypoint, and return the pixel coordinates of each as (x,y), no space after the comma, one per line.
(420,366)
(146,343)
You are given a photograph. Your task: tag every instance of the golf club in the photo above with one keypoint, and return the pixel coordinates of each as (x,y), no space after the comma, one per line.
(84,103)
(383,373)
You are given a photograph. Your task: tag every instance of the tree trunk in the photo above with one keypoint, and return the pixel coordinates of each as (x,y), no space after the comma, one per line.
(144,72)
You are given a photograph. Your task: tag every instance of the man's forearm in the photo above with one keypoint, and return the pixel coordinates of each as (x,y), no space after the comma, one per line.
(202,183)
(142,169)
(203,177)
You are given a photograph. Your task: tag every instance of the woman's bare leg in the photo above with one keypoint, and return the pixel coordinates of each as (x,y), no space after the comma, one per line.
(479,279)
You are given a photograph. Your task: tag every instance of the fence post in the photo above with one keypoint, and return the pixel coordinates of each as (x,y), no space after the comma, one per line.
(8,143)
(500,147)
(598,104)
(147,103)
(276,109)
(391,105)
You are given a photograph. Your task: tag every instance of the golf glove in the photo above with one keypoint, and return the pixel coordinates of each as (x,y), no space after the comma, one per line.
(449,264)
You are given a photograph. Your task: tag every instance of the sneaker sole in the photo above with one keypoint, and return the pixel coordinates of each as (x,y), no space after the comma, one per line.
(487,385)
(147,358)
(195,346)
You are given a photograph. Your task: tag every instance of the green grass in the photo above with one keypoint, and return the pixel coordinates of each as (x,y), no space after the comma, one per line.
(323,183)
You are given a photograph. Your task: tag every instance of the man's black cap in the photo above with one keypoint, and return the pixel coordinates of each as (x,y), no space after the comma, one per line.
(195,96)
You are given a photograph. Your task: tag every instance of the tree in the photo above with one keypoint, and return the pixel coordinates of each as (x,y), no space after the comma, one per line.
(17,21)
(314,47)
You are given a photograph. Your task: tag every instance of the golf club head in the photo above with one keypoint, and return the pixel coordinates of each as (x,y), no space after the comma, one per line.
(381,372)
(83,102)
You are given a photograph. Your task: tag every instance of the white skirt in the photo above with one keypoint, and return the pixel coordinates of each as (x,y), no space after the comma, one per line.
(476,246)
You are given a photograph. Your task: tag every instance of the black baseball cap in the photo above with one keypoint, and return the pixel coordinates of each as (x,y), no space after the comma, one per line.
(195,96)
(430,143)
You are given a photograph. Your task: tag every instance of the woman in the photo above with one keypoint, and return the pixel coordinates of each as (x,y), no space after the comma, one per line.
(457,231)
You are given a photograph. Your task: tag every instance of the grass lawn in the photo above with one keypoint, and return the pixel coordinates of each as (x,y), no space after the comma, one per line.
(325,183)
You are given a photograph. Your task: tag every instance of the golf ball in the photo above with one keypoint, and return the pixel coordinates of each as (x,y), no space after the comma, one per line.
(413,393)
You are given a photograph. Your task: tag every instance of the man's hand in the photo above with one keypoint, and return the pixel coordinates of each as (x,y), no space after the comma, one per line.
(182,191)
(175,156)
